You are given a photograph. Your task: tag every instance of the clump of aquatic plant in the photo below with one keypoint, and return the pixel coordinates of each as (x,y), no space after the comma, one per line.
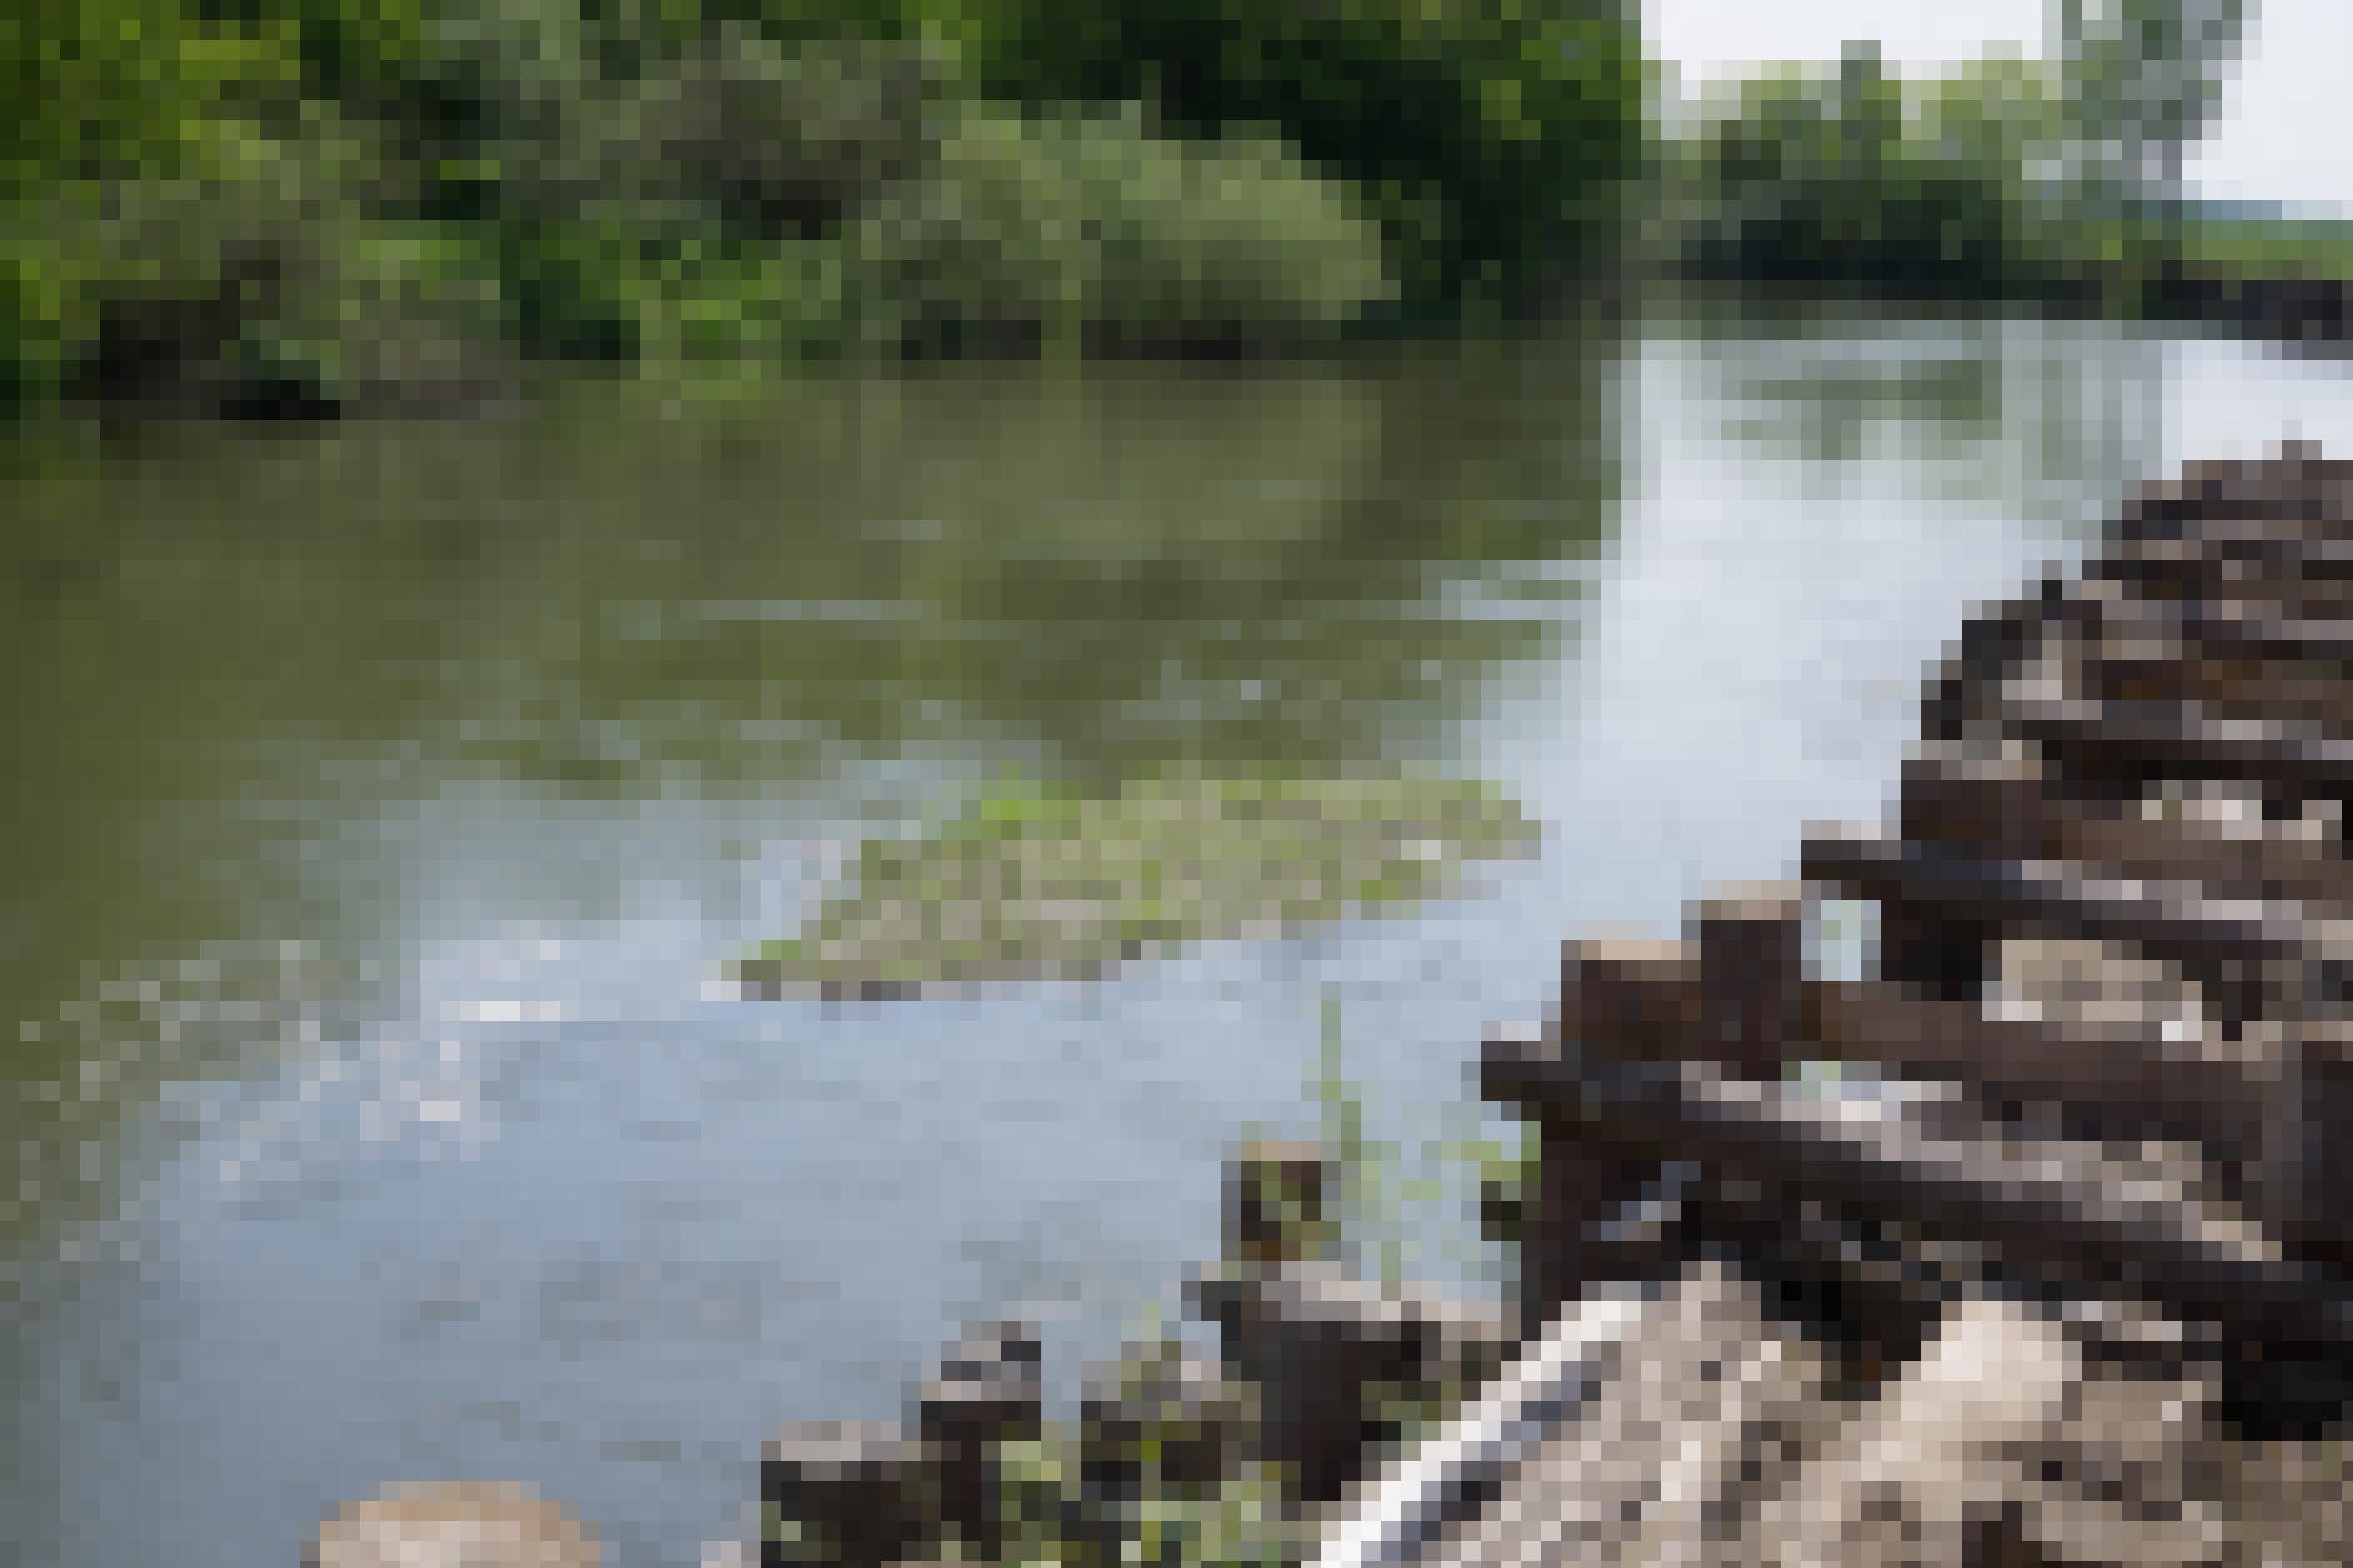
(1032,883)
(1374,1190)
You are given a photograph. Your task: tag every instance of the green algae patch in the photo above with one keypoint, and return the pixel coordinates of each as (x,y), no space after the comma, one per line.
(1029,885)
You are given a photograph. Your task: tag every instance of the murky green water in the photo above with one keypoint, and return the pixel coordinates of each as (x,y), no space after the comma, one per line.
(383,805)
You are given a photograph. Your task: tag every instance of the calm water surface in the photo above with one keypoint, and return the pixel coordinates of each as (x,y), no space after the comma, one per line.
(381,802)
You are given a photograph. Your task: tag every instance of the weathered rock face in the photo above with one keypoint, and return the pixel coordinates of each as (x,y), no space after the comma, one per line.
(463,1524)
(2093,987)
(2290,1504)
(1708,1436)
(2014,1437)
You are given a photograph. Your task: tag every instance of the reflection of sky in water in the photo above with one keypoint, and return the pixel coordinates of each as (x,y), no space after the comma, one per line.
(534,1199)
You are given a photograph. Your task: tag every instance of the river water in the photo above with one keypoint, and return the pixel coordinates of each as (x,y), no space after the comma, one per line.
(384,800)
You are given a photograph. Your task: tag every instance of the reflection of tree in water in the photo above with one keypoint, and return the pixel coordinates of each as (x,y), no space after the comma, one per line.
(1239,571)
(2037,416)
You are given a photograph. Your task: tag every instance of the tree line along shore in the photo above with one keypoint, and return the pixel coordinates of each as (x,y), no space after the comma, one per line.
(272,207)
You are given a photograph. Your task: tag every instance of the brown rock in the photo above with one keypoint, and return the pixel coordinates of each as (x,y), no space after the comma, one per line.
(847,1494)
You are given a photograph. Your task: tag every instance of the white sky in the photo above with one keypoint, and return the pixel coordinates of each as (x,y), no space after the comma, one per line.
(2282,135)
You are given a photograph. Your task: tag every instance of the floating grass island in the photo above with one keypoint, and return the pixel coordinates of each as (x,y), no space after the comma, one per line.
(1061,884)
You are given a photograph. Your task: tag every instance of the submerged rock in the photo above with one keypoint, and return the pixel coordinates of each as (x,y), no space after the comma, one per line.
(461,1524)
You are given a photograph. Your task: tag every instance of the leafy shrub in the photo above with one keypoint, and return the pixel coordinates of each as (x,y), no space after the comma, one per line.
(1494,139)
(775,140)
(37,294)
(1086,232)
(259,282)
(1859,177)
(711,300)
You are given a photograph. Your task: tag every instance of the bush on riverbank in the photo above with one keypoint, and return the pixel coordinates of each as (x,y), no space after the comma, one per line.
(1855,178)
(313,203)
(1496,140)
(2054,180)
(1091,234)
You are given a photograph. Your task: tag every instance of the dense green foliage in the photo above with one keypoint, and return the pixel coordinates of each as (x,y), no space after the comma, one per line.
(305,203)
(1496,140)
(1859,177)
(2003,178)
(310,201)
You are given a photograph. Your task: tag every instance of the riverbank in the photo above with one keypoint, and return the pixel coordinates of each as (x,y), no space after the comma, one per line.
(294,212)
(2276,281)
(2291,309)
